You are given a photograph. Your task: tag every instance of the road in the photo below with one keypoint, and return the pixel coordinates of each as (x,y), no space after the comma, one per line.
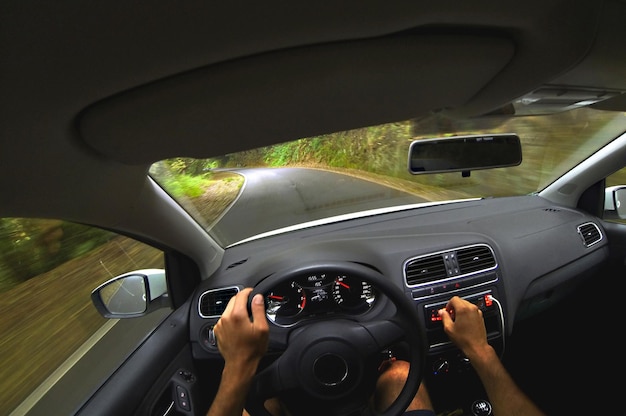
(281,197)
(107,349)
(50,317)
(296,194)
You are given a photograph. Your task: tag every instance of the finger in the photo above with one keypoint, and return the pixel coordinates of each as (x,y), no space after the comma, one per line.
(240,306)
(446,317)
(258,309)
(454,303)
(245,292)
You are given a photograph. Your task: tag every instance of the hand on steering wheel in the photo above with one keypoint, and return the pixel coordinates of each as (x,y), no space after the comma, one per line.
(330,366)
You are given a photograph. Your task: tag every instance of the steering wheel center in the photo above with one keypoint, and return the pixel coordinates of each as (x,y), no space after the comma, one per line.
(330,366)
(330,369)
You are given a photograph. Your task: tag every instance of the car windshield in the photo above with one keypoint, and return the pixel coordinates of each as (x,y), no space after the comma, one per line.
(359,172)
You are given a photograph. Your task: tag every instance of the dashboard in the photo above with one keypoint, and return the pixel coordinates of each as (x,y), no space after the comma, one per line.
(510,256)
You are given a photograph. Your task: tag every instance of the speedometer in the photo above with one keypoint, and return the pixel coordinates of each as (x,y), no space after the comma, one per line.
(352,293)
(286,300)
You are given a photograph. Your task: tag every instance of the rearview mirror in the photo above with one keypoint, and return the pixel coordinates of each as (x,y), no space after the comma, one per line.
(464,153)
(615,202)
(131,294)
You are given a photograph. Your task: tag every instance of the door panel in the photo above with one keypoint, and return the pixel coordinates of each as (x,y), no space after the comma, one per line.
(148,370)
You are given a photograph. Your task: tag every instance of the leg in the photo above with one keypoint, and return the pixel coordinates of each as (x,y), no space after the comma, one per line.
(272,405)
(390,383)
(388,387)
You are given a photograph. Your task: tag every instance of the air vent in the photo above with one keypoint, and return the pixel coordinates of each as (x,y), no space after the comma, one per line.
(212,303)
(425,269)
(448,265)
(590,233)
(475,258)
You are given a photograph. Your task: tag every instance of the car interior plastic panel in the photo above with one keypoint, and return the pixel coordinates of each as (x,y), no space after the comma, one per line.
(168,343)
(515,228)
(396,77)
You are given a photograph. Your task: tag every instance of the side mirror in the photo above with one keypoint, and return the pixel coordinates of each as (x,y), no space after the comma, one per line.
(132,294)
(615,202)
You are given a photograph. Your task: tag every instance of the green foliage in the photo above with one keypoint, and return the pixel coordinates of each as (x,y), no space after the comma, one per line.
(29,247)
(248,158)
(184,177)
(374,149)
(282,154)
(185,185)
(178,165)
(189,166)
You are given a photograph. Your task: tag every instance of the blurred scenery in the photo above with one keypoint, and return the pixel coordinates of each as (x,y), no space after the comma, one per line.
(551,145)
(48,267)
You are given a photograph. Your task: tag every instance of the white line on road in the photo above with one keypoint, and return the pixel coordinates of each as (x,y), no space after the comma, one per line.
(48,383)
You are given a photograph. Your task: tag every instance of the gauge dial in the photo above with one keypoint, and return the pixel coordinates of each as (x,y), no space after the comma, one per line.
(352,293)
(285,301)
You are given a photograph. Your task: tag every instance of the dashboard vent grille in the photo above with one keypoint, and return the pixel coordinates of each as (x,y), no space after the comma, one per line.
(448,265)
(425,269)
(590,233)
(475,258)
(213,302)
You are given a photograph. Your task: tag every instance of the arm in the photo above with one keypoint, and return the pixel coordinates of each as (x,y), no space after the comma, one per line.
(464,325)
(242,343)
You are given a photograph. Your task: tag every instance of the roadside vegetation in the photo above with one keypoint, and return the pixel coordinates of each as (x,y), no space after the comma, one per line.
(377,153)
(41,328)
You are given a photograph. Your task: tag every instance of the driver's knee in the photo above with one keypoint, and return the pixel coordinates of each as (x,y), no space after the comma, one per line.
(421,399)
(390,383)
(273,407)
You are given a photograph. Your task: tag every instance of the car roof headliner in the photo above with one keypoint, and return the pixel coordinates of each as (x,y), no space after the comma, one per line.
(92,93)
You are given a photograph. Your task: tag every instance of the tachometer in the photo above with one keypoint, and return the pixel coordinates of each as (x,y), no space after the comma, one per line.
(285,301)
(352,293)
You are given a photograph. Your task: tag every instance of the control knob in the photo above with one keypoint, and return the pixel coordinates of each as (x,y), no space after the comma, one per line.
(441,367)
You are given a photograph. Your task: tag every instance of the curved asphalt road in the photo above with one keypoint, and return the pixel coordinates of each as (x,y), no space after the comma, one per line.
(273,198)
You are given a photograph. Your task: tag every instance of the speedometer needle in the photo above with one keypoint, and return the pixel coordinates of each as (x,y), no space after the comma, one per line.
(340,283)
(276,297)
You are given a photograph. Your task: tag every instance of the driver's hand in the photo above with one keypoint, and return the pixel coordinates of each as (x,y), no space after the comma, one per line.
(242,340)
(463,323)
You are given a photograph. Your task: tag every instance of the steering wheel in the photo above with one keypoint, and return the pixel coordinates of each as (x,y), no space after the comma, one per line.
(330,366)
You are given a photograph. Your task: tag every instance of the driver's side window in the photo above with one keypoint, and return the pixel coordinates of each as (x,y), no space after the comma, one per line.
(48,269)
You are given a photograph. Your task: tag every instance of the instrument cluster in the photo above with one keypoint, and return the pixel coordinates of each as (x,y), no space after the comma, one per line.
(318,294)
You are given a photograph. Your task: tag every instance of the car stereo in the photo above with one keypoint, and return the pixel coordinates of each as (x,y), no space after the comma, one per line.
(443,356)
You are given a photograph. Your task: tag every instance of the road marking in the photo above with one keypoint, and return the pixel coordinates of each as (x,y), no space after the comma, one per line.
(49,382)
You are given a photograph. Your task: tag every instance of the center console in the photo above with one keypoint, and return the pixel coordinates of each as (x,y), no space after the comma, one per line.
(472,273)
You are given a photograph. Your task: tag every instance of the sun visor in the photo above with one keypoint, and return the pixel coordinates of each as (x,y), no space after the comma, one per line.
(284,95)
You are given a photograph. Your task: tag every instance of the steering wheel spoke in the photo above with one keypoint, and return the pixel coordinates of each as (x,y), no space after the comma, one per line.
(329,365)
(267,384)
(385,333)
